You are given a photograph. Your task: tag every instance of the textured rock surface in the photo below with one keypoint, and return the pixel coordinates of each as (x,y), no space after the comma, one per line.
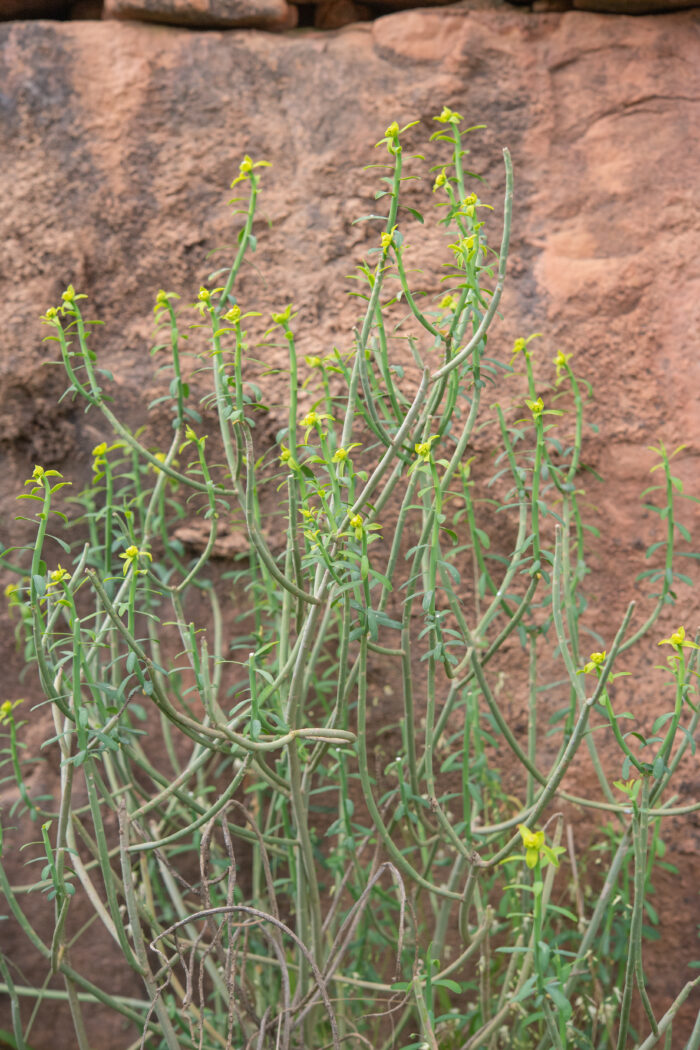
(85,10)
(10,9)
(384,4)
(408,4)
(614,7)
(328,14)
(259,14)
(333,14)
(633,7)
(120,140)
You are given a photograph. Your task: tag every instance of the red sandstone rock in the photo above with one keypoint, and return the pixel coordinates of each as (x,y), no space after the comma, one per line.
(334,14)
(18,9)
(119,142)
(402,5)
(260,14)
(633,7)
(86,10)
(396,4)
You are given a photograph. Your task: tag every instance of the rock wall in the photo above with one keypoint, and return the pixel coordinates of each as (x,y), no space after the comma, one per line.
(281,15)
(119,142)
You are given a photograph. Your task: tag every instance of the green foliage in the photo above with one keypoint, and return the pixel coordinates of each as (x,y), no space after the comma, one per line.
(327,861)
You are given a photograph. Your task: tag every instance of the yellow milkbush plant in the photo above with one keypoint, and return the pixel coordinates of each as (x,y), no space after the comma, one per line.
(323,864)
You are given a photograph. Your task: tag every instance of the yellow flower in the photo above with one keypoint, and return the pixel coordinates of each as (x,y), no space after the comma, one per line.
(287,457)
(284,316)
(387,239)
(245,168)
(391,136)
(70,297)
(422,449)
(233,315)
(58,576)
(679,641)
(131,557)
(520,346)
(161,457)
(356,522)
(462,248)
(440,180)
(312,419)
(6,709)
(561,361)
(533,841)
(536,407)
(39,475)
(101,450)
(448,302)
(204,295)
(341,454)
(469,204)
(51,317)
(162,299)
(595,662)
(448,116)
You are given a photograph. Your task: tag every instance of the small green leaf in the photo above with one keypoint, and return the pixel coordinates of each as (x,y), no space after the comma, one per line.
(445,982)
(559,999)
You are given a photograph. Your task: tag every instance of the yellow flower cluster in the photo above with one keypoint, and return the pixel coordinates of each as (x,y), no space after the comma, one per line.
(533,841)
(247,167)
(131,557)
(449,116)
(679,641)
(595,662)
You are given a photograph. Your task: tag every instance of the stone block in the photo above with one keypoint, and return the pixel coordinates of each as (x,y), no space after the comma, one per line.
(257,14)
